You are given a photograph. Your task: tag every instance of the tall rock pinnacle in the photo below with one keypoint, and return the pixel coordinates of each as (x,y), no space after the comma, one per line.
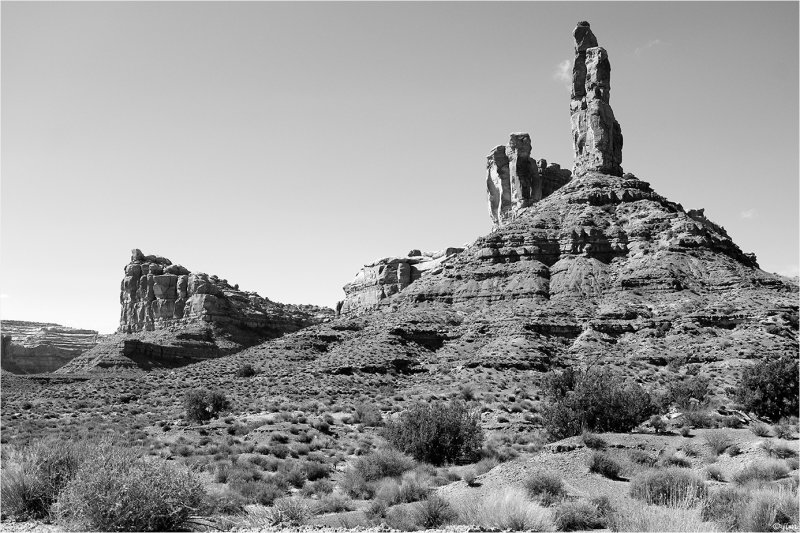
(596,135)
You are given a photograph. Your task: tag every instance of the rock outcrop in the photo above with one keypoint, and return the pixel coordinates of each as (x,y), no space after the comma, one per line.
(171,316)
(515,180)
(596,134)
(35,347)
(386,277)
(157,294)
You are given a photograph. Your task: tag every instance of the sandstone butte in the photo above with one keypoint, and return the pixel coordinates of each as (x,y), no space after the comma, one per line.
(171,316)
(581,266)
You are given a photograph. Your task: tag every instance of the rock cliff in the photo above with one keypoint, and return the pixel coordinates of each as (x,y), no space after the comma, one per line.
(35,347)
(171,316)
(379,280)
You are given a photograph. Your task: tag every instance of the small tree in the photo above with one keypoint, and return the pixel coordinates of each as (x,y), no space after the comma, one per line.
(437,433)
(770,388)
(202,405)
(595,400)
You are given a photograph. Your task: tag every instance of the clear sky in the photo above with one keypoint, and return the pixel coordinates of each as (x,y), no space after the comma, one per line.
(283,145)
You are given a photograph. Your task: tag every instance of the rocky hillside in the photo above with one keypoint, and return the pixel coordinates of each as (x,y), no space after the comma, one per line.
(35,347)
(171,317)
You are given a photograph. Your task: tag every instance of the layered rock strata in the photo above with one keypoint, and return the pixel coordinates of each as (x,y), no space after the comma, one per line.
(157,294)
(386,277)
(596,134)
(515,180)
(35,347)
(171,317)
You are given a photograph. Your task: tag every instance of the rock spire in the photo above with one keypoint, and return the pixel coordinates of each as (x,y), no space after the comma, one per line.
(515,180)
(596,135)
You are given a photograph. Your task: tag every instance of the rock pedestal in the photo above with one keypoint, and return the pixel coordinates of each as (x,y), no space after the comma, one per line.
(596,134)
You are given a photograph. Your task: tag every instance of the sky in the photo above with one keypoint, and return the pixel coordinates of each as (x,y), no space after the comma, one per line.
(283,145)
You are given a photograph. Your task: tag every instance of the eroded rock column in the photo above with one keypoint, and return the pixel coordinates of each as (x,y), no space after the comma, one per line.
(596,134)
(498,185)
(523,172)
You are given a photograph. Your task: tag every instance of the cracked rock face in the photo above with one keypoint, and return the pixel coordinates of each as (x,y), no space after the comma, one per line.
(596,134)
(516,181)
(157,294)
(382,279)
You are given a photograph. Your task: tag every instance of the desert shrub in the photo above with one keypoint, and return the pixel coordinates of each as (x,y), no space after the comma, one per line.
(118,490)
(485,464)
(780,450)
(33,480)
(687,391)
(545,486)
(714,472)
(760,429)
(783,430)
(670,486)
(367,414)
(202,405)
(437,432)
(718,441)
(761,472)
(376,509)
(635,515)
(354,485)
(435,512)
(642,458)
(289,511)
(770,388)
(507,509)
(263,492)
(383,463)
(658,424)
(469,477)
(590,440)
(333,503)
(724,505)
(698,418)
(246,371)
(595,400)
(315,471)
(770,510)
(672,459)
(403,518)
(579,515)
(317,488)
(603,464)
(224,503)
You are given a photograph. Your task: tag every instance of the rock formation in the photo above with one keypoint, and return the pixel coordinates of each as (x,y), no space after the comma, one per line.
(34,347)
(157,294)
(515,180)
(596,134)
(386,277)
(171,317)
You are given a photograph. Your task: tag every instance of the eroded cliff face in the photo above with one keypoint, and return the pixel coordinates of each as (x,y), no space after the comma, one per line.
(36,347)
(515,180)
(171,317)
(386,277)
(157,294)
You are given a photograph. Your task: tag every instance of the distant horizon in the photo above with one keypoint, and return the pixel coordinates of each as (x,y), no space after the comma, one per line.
(282,146)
